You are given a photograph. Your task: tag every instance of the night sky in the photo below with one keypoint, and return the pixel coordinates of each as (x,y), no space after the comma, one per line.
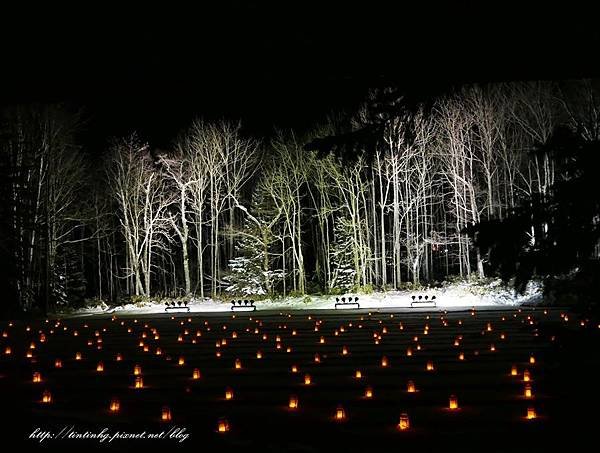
(274,64)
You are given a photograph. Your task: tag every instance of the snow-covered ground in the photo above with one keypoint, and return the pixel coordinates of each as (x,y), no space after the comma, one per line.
(457,296)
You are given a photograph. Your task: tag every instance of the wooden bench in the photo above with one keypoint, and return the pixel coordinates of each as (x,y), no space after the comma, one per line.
(243,305)
(345,303)
(177,306)
(421,301)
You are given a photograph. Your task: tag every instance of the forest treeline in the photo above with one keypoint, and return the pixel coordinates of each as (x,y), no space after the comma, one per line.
(225,213)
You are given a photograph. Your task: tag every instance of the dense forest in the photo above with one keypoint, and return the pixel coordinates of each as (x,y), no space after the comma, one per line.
(382,198)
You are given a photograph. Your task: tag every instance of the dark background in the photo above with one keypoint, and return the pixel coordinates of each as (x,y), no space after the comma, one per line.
(280,64)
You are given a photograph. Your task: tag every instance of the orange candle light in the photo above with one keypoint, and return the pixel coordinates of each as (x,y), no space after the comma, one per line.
(37,377)
(58,363)
(228,393)
(293,403)
(404,423)
(369,392)
(453,403)
(196,374)
(531,414)
(165,414)
(222,425)
(526,376)
(410,387)
(307,379)
(46,397)
(139,382)
(238,364)
(137,370)
(430,366)
(384,361)
(528,393)
(115,405)
(514,371)
(358,374)
(259,355)
(100,367)
(340,414)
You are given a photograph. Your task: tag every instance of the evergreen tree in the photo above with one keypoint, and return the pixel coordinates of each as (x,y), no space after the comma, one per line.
(342,256)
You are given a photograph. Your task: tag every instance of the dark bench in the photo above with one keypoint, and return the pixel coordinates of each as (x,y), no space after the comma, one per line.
(346,302)
(243,305)
(420,301)
(177,306)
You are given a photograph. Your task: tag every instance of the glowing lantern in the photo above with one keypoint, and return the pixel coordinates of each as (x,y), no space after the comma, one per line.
(119,357)
(196,374)
(461,356)
(181,361)
(513,370)
(340,414)
(409,352)
(222,425)
(489,327)
(78,356)
(453,403)
(317,358)
(46,397)
(228,393)
(369,392)
(384,361)
(322,340)
(528,393)
(32,345)
(531,359)
(410,387)
(139,382)
(8,350)
(293,403)
(307,379)
(37,377)
(358,374)
(404,423)
(58,363)
(492,347)
(137,370)
(258,354)
(531,413)
(238,364)
(115,405)
(158,351)
(165,414)
(526,376)
(294,368)
(100,367)
(430,366)
(234,335)
(344,350)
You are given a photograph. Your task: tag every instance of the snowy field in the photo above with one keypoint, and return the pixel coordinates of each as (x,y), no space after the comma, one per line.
(450,297)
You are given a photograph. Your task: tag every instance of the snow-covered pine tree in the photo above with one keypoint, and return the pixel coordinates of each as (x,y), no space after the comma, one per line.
(342,256)
(251,270)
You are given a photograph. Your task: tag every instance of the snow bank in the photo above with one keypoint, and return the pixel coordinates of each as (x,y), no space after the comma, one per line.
(453,296)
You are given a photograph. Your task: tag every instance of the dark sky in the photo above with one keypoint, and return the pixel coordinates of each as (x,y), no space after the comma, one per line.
(275,64)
